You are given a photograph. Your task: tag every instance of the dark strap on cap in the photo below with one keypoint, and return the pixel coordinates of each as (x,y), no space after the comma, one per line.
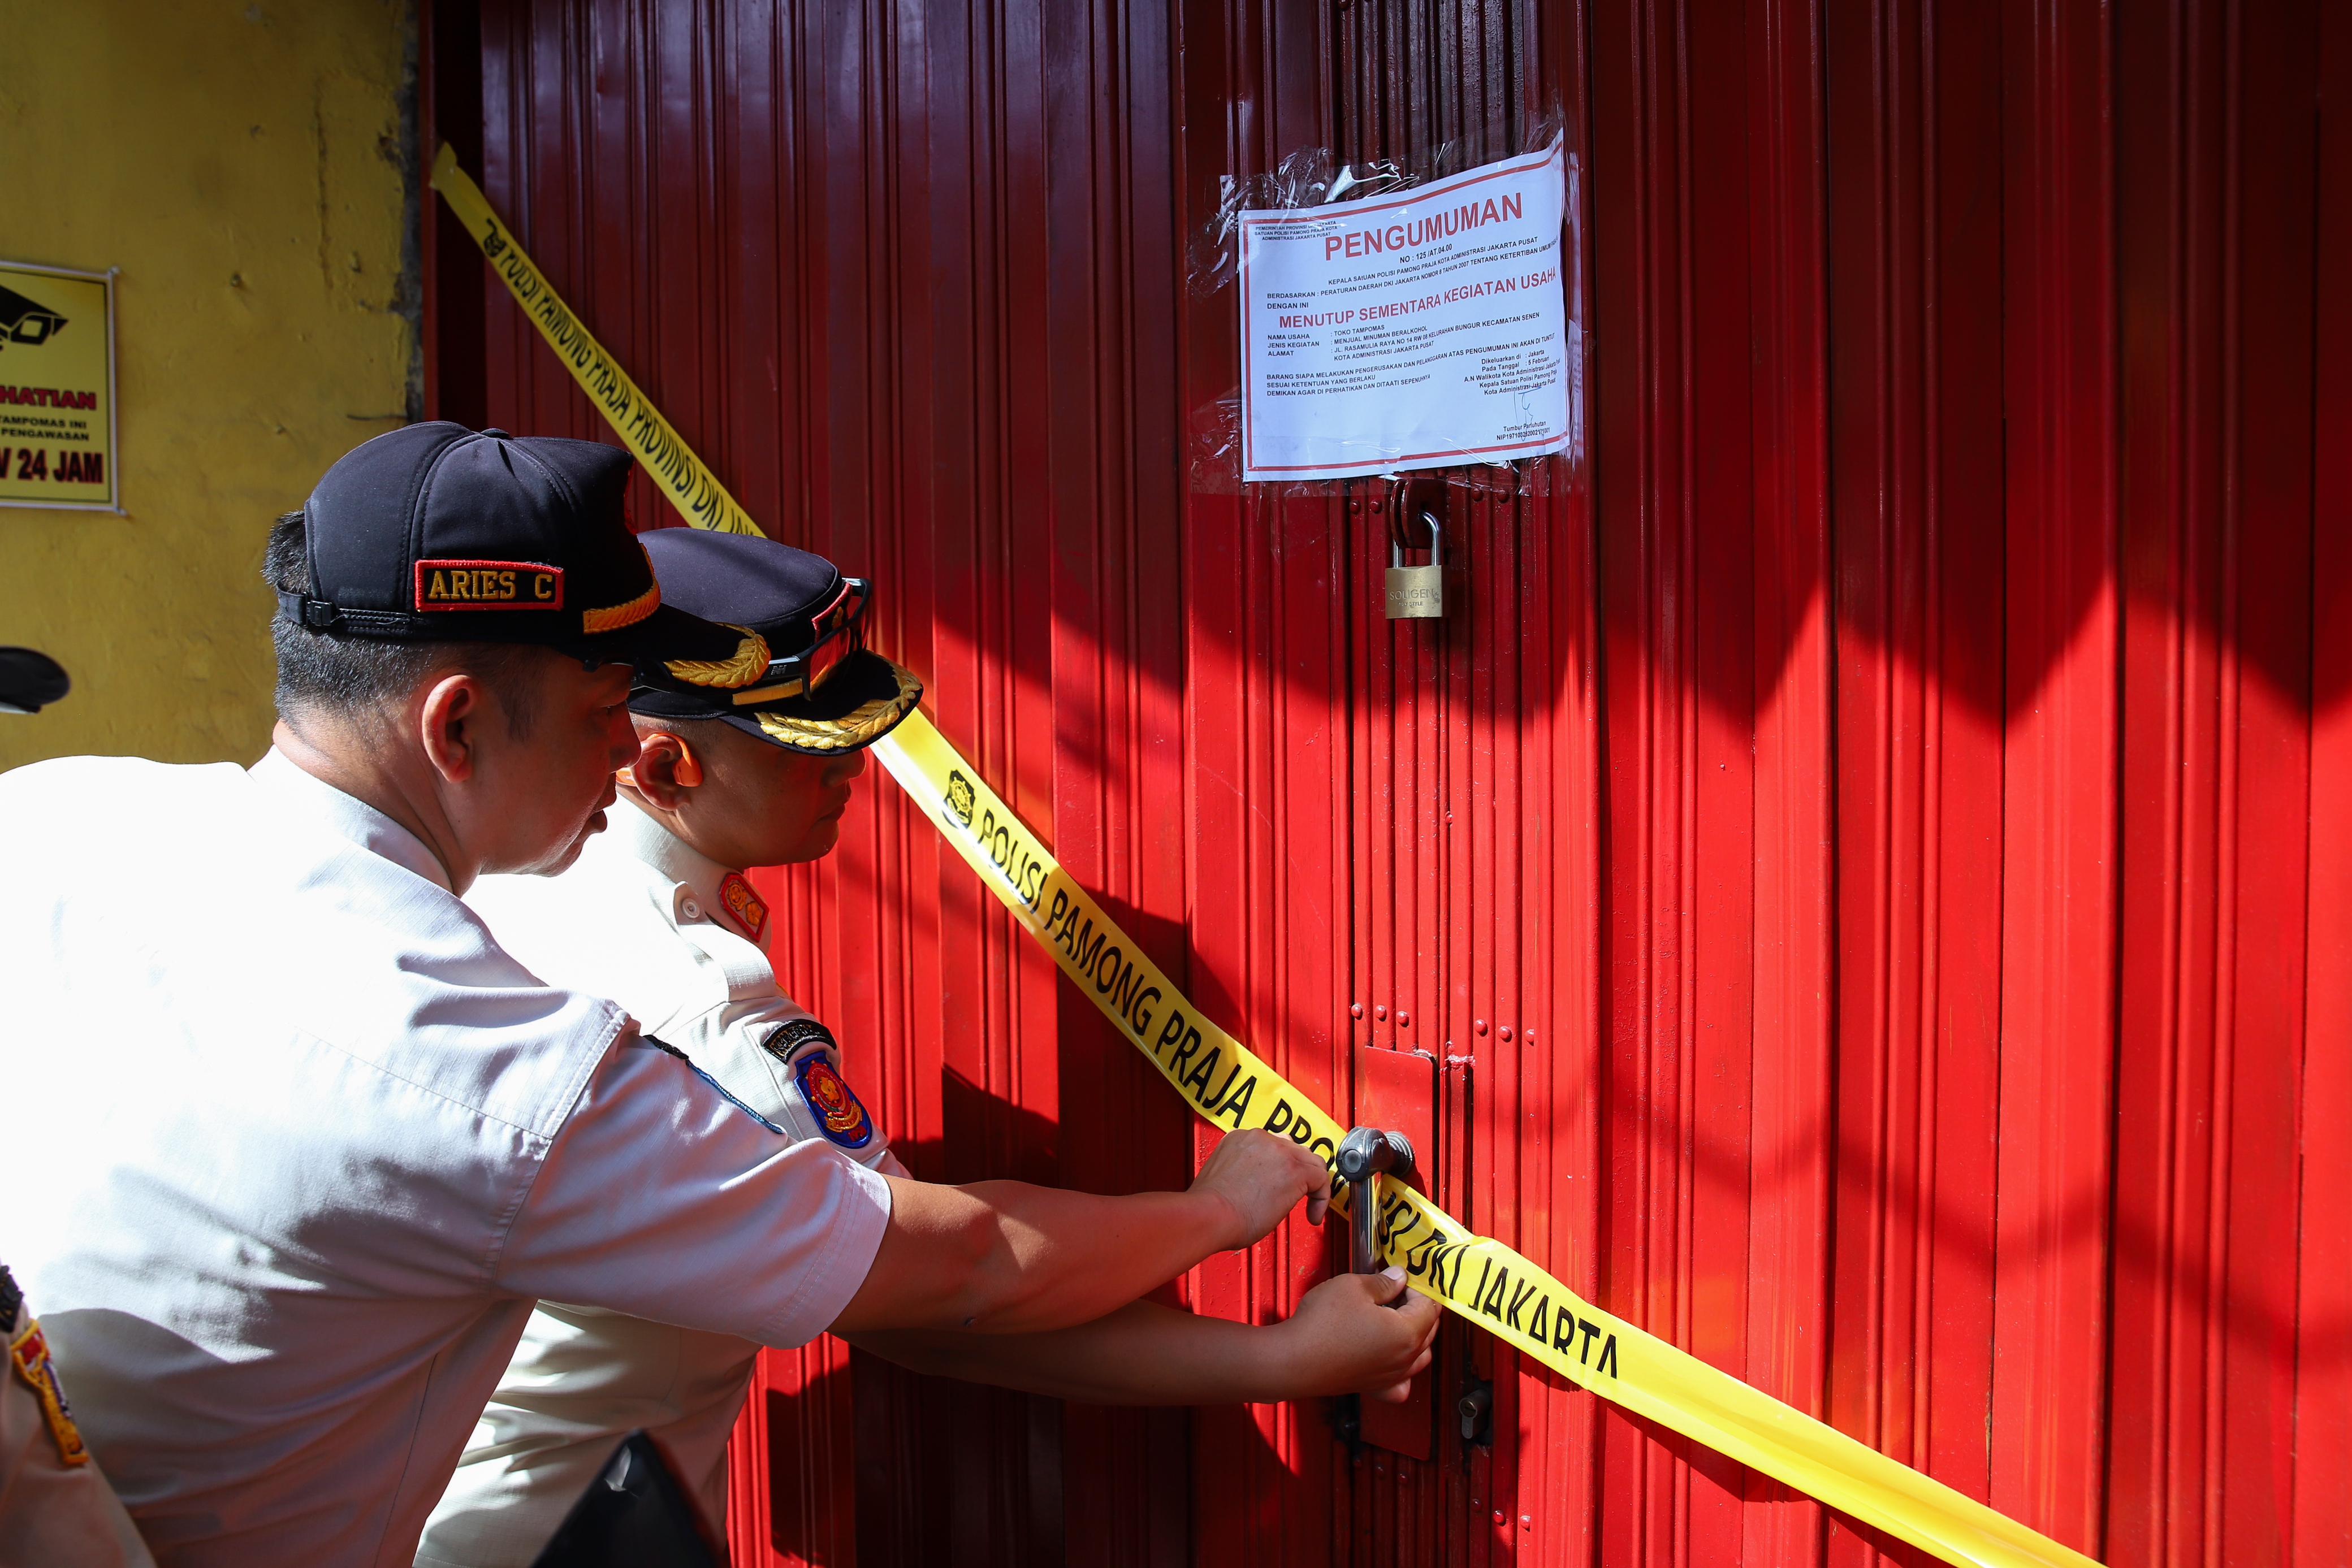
(314,614)
(326,615)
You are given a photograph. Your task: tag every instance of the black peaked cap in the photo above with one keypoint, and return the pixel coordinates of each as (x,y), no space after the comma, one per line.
(776,591)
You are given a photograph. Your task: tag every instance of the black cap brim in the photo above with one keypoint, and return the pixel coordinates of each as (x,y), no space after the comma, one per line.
(30,680)
(865,697)
(674,651)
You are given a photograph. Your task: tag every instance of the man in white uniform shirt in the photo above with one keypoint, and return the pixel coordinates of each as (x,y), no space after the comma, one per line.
(657,914)
(298,1145)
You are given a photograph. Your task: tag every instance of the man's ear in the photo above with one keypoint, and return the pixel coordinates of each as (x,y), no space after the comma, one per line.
(452,710)
(665,770)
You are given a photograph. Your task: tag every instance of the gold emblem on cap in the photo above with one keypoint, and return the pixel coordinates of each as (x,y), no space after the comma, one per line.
(749,662)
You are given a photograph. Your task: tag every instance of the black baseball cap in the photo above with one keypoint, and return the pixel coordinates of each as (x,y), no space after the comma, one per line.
(823,690)
(439,533)
(30,680)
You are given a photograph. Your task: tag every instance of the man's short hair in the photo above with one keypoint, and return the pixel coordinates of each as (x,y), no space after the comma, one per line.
(327,673)
(665,723)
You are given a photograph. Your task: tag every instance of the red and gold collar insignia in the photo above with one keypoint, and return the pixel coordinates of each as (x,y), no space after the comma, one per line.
(30,1353)
(746,908)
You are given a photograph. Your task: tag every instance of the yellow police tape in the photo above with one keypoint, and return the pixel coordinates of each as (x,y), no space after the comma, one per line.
(692,488)
(1478,1278)
(1482,1279)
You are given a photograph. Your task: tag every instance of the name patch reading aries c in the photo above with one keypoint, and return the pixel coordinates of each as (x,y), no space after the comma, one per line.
(488,585)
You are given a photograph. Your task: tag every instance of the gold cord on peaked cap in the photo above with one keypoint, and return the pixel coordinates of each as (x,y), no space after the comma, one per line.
(619,615)
(860,727)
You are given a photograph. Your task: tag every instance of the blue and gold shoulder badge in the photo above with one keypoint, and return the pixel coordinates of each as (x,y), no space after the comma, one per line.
(805,1046)
(743,906)
(29,1351)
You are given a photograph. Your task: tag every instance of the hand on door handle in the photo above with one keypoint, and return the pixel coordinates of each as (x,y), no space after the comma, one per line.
(1360,1333)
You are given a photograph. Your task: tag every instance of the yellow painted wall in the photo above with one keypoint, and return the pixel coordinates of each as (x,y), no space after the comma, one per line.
(241,161)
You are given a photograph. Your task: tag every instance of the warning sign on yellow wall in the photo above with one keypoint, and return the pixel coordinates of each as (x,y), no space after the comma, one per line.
(56,389)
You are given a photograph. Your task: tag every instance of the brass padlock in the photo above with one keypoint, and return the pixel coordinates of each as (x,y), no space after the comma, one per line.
(1418,592)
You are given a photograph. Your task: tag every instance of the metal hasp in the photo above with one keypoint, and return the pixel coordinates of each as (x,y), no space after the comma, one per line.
(1366,1152)
(1418,592)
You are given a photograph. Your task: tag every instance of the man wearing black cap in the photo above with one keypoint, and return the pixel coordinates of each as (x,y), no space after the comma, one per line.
(657,914)
(295,1144)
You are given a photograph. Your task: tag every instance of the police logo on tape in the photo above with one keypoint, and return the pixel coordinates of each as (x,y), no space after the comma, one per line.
(960,799)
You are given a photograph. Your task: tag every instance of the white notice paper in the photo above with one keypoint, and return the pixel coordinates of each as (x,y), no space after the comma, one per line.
(1415,331)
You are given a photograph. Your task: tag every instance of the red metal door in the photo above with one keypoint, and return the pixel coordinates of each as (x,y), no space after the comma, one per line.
(1868,858)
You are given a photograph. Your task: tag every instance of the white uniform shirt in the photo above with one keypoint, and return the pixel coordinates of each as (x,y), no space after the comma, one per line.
(295,1147)
(661,929)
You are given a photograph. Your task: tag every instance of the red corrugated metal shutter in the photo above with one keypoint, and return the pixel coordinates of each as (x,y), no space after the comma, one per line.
(1868,859)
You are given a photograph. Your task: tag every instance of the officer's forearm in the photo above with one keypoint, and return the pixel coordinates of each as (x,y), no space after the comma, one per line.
(1143,1353)
(1004,1257)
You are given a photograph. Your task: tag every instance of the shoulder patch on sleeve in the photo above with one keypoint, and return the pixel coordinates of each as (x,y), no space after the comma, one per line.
(836,1105)
(806,1048)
